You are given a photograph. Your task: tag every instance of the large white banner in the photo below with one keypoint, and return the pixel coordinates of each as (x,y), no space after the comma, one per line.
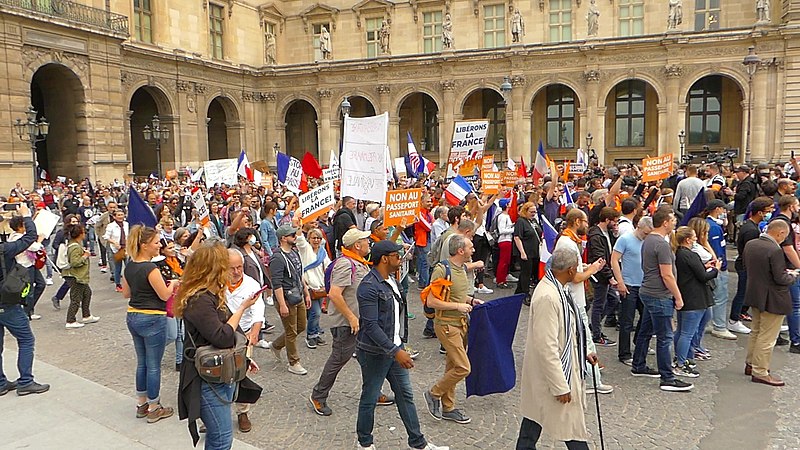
(364,157)
(220,171)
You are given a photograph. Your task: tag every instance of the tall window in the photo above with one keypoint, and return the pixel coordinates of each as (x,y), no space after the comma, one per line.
(373,27)
(317,33)
(631,17)
(560,117)
(560,20)
(630,112)
(705,111)
(430,119)
(143,21)
(216,19)
(494,109)
(706,15)
(432,32)
(494,26)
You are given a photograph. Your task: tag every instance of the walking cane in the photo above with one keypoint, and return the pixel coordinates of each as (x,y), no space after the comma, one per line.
(597,404)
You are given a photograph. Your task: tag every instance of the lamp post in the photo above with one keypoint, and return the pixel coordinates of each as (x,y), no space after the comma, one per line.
(346,107)
(751,62)
(157,133)
(589,150)
(682,141)
(276,148)
(33,129)
(505,88)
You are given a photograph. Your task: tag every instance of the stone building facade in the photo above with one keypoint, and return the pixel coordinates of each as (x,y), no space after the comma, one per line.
(223,75)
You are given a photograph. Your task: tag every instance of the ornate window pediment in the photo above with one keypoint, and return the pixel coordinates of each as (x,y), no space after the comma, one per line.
(373,7)
(319,13)
(271,13)
(428,4)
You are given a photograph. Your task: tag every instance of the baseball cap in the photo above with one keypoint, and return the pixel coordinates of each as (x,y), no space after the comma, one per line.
(285,230)
(382,248)
(742,168)
(716,203)
(352,235)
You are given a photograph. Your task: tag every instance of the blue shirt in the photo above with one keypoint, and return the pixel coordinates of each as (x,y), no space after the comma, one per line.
(716,238)
(631,249)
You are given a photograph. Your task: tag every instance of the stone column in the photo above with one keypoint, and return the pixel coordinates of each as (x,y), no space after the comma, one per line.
(126,129)
(664,137)
(394,132)
(514,129)
(324,139)
(595,115)
(385,94)
(671,122)
(448,116)
(758,139)
(271,135)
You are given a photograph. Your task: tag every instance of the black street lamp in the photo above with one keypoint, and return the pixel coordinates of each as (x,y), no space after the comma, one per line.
(751,62)
(157,133)
(32,129)
(346,107)
(682,141)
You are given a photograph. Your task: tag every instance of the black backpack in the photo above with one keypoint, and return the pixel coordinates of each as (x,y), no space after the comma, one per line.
(16,284)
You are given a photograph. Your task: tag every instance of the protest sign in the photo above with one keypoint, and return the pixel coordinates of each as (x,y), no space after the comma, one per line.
(656,168)
(400,167)
(220,171)
(294,175)
(488,163)
(268,181)
(466,149)
(316,202)
(172,174)
(491,181)
(45,222)
(364,157)
(200,204)
(577,168)
(402,204)
(510,178)
(330,174)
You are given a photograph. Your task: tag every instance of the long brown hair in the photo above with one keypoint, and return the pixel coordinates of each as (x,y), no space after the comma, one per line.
(206,269)
(701,229)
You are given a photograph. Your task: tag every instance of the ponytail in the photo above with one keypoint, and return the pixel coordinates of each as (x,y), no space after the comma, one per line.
(138,235)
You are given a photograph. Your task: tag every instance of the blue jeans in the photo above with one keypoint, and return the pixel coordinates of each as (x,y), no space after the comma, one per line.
(216,414)
(117,270)
(604,303)
(312,327)
(738,299)
(175,334)
(15,320)
(794,318)
(423,275)
(688,323)
(630,304)
(149,332)
(697,340)
(657,320)
(720,309)
(375,369)
(90,238)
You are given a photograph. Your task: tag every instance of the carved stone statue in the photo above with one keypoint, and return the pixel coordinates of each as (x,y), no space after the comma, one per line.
(762,11)
(384,34)
(269,50)
(325,44)
(592,19)
(517,26)
(675,16)
(447,33)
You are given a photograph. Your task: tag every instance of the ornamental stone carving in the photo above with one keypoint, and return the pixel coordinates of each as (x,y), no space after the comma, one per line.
(518,80)
(183,86)
(383,89)
(447,85)
(200,88)
(591,75)
(673,71)
(324,93)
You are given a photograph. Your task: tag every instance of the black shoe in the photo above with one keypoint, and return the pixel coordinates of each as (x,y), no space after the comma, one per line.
(311,343)
(428,334)
(647,372)
(33,388)
(676,385)
(611,322)
(527,300)
(56,302)
(604,342)
(9,386)
(795,348)
(177,367)
(781,341)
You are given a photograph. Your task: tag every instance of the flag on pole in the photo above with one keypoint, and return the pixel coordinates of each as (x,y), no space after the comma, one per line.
(457,190)
(698,205)
(311,166)
(197,175)
(430,166)
(139,212)
(522,171)
(511,164)
(414,159)
(513,209)
(243,167)
(547,245)
(568,200)
(540,165)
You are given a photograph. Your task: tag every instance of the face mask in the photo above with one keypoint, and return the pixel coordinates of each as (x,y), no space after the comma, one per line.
(767,216)
(252,240)
(281,205)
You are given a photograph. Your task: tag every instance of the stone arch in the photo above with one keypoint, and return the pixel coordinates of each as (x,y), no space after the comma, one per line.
(609,85)
(284,105)
(368,98)
(467,91)
(737,77)
(145,102)
(533,90)
(560,132)
(36,57)
(159,92)
(301,132)
(229,104)
(421,118)
(714,112)
(632,118)
(404,93)
(224,127)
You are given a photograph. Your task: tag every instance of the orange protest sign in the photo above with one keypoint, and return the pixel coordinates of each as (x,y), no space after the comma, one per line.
(171,174)
(402,206)
(510,177)
(491,181)
(488,163)
(656,168)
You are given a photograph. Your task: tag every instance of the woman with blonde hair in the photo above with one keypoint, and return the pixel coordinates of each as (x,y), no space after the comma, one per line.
(315,260)
(208,321)
(143,284)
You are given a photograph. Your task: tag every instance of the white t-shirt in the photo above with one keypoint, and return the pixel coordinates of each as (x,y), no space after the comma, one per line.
(396,340)
(235,299)
(577,289)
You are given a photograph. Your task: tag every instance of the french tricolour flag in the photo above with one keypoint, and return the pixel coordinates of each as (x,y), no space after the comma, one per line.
(457,190)
(548,243)
(243,167)
(540,166)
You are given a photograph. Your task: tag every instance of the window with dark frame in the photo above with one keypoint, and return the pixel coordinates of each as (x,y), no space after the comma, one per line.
(705,111)
(494,109)
(706,15)
(432,31)
(430,121)
(630,113)
(560,117)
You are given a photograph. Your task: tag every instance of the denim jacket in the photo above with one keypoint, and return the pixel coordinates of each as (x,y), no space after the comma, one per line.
(269,239)
(376,311)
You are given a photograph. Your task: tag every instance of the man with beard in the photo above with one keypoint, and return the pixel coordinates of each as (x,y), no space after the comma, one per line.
(343,220)
(573,239)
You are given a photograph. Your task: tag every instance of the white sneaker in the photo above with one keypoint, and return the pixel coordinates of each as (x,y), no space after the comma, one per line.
(48,281)
(484,290)
(723,334)
(738,327)
(275,353)
(35,317)
(432,447)
(75,325)
(270,301)
(103,270)
(601,389)
(297,369)
(784,328)
(371,447)
(512,278)
(90,319)
(262,344)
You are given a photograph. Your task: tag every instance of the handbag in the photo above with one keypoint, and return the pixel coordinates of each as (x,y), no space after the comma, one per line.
(120,255)
(220,365)
(317,294)
(294,295)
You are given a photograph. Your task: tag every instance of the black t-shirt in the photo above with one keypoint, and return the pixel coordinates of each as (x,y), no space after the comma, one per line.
(143,296)
(789,238)
(747,233)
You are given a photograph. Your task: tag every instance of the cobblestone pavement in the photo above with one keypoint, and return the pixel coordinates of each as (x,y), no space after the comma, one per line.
(637,415)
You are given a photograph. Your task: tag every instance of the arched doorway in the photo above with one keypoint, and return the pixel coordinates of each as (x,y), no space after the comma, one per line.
(555,121)
(146,103)
(419,115)
(631,121)
(489,104)
(301,129)
(222,120)
(714,114)
(57,94)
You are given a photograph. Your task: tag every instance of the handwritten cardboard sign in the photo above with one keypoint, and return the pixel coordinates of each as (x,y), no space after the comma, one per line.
(402,204)
(656,168)
(200,204)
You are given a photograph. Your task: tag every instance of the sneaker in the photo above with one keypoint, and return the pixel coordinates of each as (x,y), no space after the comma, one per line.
(738,327)
(484,290)
(119,289)
(35,317)
(270,301)
(385,400)
(627,362)
(268,328)
(56,302)
(604,342)
(410,315)
(90,319)
(685,371)
(442,350)
(512,278)
(748,318)
(320,408)
(676,385)
(781,341)
(103,269)
(275,352)
(700,356)
(412,352)
(48,281)
(723,334)
(691,363)
(75,325)
(601,389)
(503,286)
(428,334)
(431,447)
(8,387)
(456,416)
(311,343)
(794,348)
(297,369)
(647,372)
(320,341)
(784,328)
(33,388)
(159,413)
(141,411)
(434,405)
(262,344)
